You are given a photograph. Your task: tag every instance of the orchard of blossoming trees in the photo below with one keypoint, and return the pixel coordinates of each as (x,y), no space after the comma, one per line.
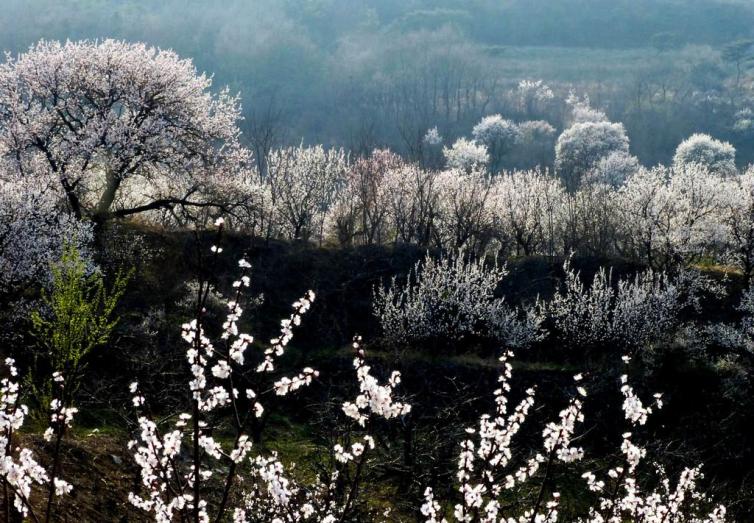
(602,274)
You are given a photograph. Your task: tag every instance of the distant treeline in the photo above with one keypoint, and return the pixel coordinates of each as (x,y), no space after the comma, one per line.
(367,74)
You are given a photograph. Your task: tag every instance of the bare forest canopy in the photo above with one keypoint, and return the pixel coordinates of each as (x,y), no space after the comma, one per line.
(379,73)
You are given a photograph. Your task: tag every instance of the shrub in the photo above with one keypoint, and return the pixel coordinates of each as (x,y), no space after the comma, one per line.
(451,299)
(78,316)
(633,313)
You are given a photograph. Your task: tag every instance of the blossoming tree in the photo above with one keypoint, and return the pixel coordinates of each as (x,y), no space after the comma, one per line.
(94,115)
(719,157)
(581,146)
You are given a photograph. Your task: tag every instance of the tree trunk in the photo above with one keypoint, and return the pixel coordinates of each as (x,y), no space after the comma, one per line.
(112,183)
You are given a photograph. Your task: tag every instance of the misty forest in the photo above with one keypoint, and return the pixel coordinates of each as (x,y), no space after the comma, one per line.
(377,261)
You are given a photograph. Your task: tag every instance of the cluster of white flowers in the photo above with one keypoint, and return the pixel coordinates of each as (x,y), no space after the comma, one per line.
(285,385)
(170,486)
(277,497)
(613,169)
(580,147)
(449,299)
(719,157)
(373,398)
(277,345)
(635,312)
(482,466)
(620,496)
(34,230)
(537,134)
(465,154)
(483,480)
(19,470)
(582,111)
(122,128)
(498,135)
(433,136)
(533,95)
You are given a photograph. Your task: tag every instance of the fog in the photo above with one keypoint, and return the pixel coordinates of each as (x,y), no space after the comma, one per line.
(373,73)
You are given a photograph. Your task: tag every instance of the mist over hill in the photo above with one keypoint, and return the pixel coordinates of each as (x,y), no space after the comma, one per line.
(364,74)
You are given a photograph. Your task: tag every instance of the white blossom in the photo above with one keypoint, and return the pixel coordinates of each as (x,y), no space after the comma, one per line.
(580,147)
(117,125)
(433,137)
(719,157)
(450,299)
(465,154)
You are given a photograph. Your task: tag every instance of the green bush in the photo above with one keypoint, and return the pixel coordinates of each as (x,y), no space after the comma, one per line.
(78,316)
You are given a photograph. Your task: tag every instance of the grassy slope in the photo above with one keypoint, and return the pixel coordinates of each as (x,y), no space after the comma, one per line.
(343,281)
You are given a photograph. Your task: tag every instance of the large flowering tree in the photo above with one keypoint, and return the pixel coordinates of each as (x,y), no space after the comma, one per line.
(671,216)
(303,184)
(498,135)
(465,154)
(99,115)
(582,145)
(719,157)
